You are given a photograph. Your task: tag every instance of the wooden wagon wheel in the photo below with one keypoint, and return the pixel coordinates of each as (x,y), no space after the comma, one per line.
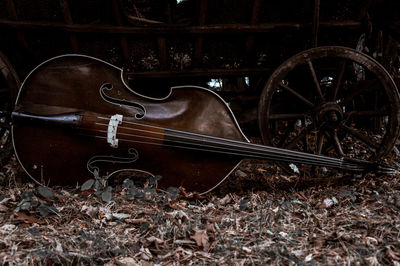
(333,101)
(9,85)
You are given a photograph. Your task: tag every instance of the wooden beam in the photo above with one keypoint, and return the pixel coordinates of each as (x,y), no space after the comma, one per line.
(201,20)
(255,18)
(118,18)
(173,30)
(68,19)
(315,23)
(200,73)
(162,51)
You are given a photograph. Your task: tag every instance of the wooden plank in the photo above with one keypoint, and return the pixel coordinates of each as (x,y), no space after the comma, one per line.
(255,18)
(315,24)
(68,19)
(201,12)
(199,73)
(118,18)
(201,20)
(177,30)
(162,51)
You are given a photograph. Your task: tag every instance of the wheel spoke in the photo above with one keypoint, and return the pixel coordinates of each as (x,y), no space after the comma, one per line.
(286,136)
(316,82)
(338,146)
(295,93)
(293,143)
(376,121)
(357,92)
(330,147)
(320,142)
(286,116)
(305,141)
(361,137)
(339,79)
(379,113)
(366,113)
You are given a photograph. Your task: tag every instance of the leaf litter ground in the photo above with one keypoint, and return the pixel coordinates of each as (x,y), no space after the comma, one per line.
(259,216)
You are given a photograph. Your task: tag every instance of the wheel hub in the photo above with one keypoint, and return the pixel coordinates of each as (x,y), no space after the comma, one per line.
(329,113)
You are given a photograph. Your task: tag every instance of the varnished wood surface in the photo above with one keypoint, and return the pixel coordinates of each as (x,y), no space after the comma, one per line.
(58,155)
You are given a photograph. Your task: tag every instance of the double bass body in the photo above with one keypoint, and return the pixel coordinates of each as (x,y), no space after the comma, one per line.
(94,91)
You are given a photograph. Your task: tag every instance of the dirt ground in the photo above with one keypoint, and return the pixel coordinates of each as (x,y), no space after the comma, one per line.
(259,216)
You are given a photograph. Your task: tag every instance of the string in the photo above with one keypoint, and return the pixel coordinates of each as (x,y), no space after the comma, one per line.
(324,160)
(232,152)
(234,143)
(296,157)
(257,152)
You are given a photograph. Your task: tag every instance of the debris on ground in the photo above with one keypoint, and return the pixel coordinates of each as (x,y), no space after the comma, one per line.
(277,222)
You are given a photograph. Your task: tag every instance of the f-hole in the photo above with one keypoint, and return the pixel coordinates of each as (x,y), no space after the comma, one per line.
(108,87)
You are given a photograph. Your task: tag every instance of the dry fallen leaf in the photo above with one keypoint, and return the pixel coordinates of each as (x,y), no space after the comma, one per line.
(145,253)
(392,254)
(225,200)
(90,210)
(45,192)
(7,228)
(371,241)
(27,218)
(106,195)
(154,239)
(121,216)
(327,203)
(136,221)
(3,208)
(210,228)
(201,238)
(128,261)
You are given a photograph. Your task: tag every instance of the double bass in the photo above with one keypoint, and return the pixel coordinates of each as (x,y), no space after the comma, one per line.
(76,116)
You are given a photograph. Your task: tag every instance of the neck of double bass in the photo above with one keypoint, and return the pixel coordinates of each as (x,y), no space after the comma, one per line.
(249,150)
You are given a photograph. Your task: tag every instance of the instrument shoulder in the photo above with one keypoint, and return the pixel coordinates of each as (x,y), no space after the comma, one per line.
(199,110)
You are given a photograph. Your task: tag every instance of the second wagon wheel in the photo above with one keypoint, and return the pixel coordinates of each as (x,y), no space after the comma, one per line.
(9,85)
(333,101)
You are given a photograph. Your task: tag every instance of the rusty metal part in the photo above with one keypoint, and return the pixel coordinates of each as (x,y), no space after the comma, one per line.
(333,101)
